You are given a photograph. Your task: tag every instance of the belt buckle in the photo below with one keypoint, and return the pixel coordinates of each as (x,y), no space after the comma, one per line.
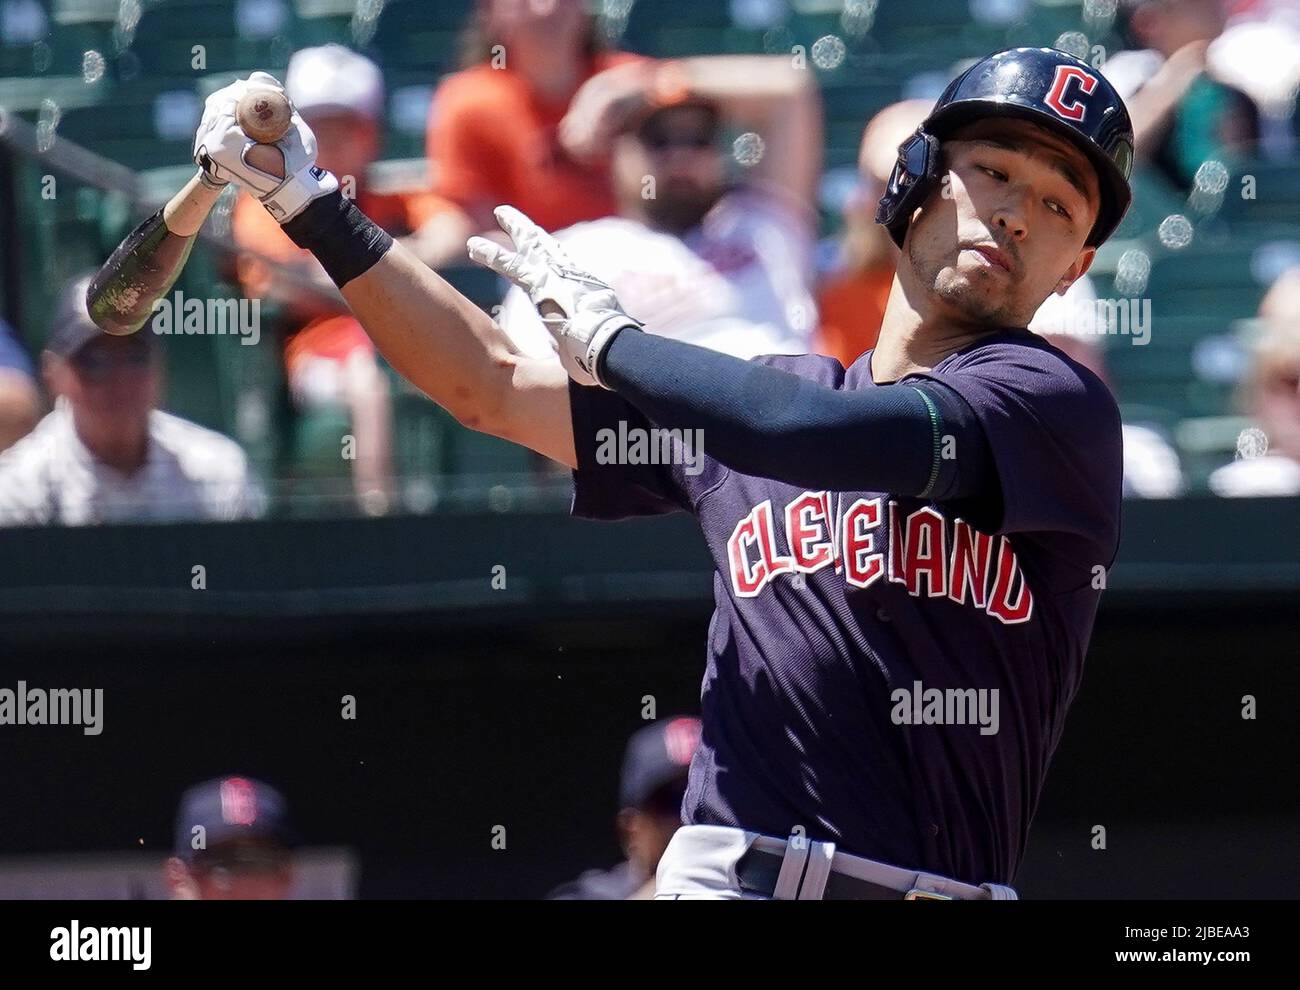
(917,894)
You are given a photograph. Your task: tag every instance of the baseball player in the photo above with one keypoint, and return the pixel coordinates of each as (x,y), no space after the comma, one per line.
(908,552)
(234,842)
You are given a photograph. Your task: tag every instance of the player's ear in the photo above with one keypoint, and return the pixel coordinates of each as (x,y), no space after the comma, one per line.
(1077,270)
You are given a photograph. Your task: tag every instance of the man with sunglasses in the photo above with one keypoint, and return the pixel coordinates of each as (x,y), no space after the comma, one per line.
(106,453)
(710,248)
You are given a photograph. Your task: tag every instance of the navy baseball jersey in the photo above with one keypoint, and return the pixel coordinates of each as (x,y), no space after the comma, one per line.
(841,616)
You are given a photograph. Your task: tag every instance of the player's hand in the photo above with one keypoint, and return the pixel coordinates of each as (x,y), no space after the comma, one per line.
(221,149)
(579,310)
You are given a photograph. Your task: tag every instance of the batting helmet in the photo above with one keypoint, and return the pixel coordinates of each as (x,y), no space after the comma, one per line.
(1044,86)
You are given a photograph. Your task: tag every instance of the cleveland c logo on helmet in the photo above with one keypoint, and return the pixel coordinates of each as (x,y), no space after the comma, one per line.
(1055,98)
(1043,86)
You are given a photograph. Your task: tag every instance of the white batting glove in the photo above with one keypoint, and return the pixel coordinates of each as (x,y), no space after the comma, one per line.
(579,310)
(220,147)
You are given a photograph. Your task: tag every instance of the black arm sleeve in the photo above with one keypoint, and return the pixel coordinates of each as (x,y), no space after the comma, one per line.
(907,439)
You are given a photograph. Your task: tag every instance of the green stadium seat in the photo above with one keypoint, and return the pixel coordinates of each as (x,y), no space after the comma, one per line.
(71,42)
(308,9)
(410,92)
(844,134)
(1207,442)
(253,33)
(855,102)
(416,34)
(26,94)
(324,31)
(86,11)
(1276,195)
(666,27)
(1153,200)
(317,443)
(482,287)
(152,124)
(1136,412)
(420,431)
(489,458)
(682,42)
(741,41)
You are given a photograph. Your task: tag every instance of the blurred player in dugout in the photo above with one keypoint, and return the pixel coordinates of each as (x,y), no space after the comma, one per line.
(330,363)
(234,841)
(650,792)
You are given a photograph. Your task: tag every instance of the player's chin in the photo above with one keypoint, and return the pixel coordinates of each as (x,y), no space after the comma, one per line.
(959,281)
(978,299)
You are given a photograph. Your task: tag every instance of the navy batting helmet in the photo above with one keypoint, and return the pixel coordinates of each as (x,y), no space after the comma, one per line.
(1044,86)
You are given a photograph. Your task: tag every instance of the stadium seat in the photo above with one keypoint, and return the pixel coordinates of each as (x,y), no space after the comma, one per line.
(1275,199)
(415,34)
(153,124)
(248,33)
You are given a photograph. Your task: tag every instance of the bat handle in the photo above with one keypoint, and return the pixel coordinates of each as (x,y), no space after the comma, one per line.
(185,212)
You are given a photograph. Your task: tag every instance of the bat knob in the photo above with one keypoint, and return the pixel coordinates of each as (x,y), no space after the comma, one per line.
(264,114)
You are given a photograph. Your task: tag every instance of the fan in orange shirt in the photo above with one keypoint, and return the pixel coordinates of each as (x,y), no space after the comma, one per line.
(329,360)
(851,301)
(492,132)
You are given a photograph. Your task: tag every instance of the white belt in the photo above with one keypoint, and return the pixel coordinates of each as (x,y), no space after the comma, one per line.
(701,861)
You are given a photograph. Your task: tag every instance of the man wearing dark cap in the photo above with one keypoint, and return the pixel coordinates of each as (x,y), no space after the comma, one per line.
(650,799)
(106,453)
(233,843)
(20,403)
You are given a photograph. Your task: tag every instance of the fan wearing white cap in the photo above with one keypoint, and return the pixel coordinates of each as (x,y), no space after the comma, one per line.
(329,360)
(340,94)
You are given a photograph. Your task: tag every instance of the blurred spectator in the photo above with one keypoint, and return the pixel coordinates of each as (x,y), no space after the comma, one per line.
(493,127)
(329,360)
(20,402)
(851,300)
(1182,115)
(1151,465)
(722,264)
(1259,53)
(650,800)
(105,453)
(233,843)
(1269,454)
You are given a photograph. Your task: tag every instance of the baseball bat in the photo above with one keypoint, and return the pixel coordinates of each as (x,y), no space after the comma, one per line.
(143,268)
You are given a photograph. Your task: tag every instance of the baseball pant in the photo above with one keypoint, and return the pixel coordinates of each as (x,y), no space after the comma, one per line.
(700,864)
